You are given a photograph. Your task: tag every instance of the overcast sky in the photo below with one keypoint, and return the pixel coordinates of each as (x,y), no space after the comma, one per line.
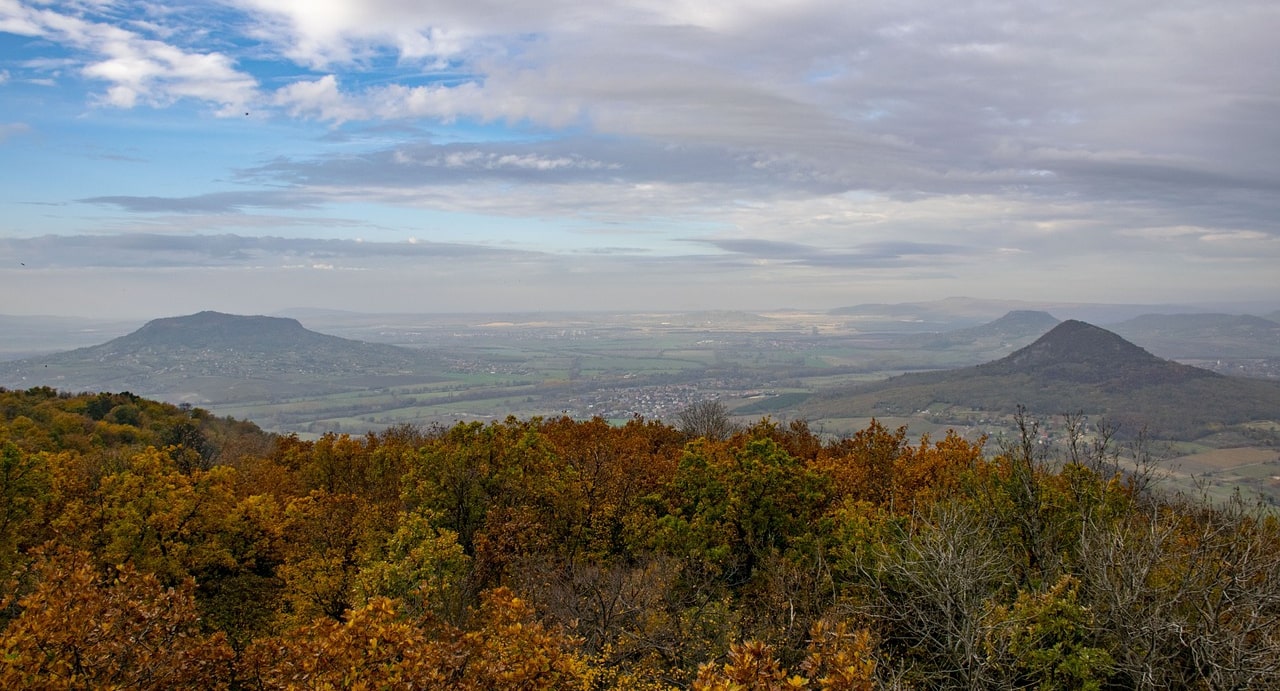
(476,155)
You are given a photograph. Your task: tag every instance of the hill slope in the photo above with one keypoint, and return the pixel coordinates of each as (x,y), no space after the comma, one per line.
(1017,327)
(1202,336)
(214,357)
(1073,367)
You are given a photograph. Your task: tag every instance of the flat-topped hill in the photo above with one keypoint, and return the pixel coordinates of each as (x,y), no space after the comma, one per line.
(211,357)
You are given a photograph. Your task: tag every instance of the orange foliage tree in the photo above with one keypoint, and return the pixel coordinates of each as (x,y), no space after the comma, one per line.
(81,629)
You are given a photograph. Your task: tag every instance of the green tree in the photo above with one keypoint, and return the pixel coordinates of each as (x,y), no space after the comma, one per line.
(737,505)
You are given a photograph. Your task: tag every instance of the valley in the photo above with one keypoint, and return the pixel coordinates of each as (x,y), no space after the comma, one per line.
(315,372)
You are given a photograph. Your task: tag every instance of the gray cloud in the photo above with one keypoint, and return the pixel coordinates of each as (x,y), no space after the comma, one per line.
(969,147)
(212,203)
(156,251)
(894,255)
(562,161)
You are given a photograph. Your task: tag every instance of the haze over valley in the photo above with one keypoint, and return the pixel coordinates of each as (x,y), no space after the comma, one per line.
(356,373)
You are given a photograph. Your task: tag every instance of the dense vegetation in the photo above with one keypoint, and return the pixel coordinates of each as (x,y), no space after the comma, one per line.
(148,546)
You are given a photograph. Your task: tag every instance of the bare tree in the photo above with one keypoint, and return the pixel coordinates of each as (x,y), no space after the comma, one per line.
(1188,595)
(709,419)
(931,590)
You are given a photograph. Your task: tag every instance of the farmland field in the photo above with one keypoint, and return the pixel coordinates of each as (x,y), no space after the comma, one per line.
(1224,460)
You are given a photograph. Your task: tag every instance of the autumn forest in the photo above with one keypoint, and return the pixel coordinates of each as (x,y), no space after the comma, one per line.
(149,546)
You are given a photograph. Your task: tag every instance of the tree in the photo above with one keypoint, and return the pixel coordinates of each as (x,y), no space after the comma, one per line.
(837,660)
(376,648)
(928,582)
(81,629)
(738,505)
(706,419)
(420,565)
(1047,640)
(325,539)
(24,489)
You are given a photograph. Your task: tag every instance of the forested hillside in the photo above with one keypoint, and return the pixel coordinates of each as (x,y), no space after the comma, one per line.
(148,546)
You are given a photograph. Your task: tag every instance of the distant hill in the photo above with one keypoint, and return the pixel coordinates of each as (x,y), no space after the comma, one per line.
(1074,367)
(1080,353)
(1015,328)
(960,312)
(1203,336)
(212,357)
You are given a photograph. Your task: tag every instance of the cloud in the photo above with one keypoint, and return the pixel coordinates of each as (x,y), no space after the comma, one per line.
(884,255)
(325,33)
(136,69)
(776,143)
(212,203)
(1097,107)
(157,251)
(319,99)
(586,160)
(475,159)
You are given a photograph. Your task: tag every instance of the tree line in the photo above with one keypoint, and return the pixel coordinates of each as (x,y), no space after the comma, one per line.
(145,545)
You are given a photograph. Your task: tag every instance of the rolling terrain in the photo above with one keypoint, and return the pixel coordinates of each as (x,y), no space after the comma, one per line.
(784,364)
(1203,336)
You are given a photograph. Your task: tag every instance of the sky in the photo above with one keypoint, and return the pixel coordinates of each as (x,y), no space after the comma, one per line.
(252,156)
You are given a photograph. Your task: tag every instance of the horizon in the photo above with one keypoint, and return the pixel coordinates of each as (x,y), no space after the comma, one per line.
(980,306)
(251,156)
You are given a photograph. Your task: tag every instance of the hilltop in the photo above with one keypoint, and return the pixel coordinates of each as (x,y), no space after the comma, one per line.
(1074,367)
(1080,353)
(211,357)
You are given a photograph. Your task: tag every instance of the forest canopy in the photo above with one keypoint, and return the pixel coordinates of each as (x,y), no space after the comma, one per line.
(153,546)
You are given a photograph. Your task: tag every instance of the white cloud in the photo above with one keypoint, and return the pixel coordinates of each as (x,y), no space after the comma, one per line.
(320,99)
(324,33)
(137,69)
(489,160)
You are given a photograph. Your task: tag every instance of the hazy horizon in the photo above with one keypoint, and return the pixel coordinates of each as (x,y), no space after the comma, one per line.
(253,156)
(967,309)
